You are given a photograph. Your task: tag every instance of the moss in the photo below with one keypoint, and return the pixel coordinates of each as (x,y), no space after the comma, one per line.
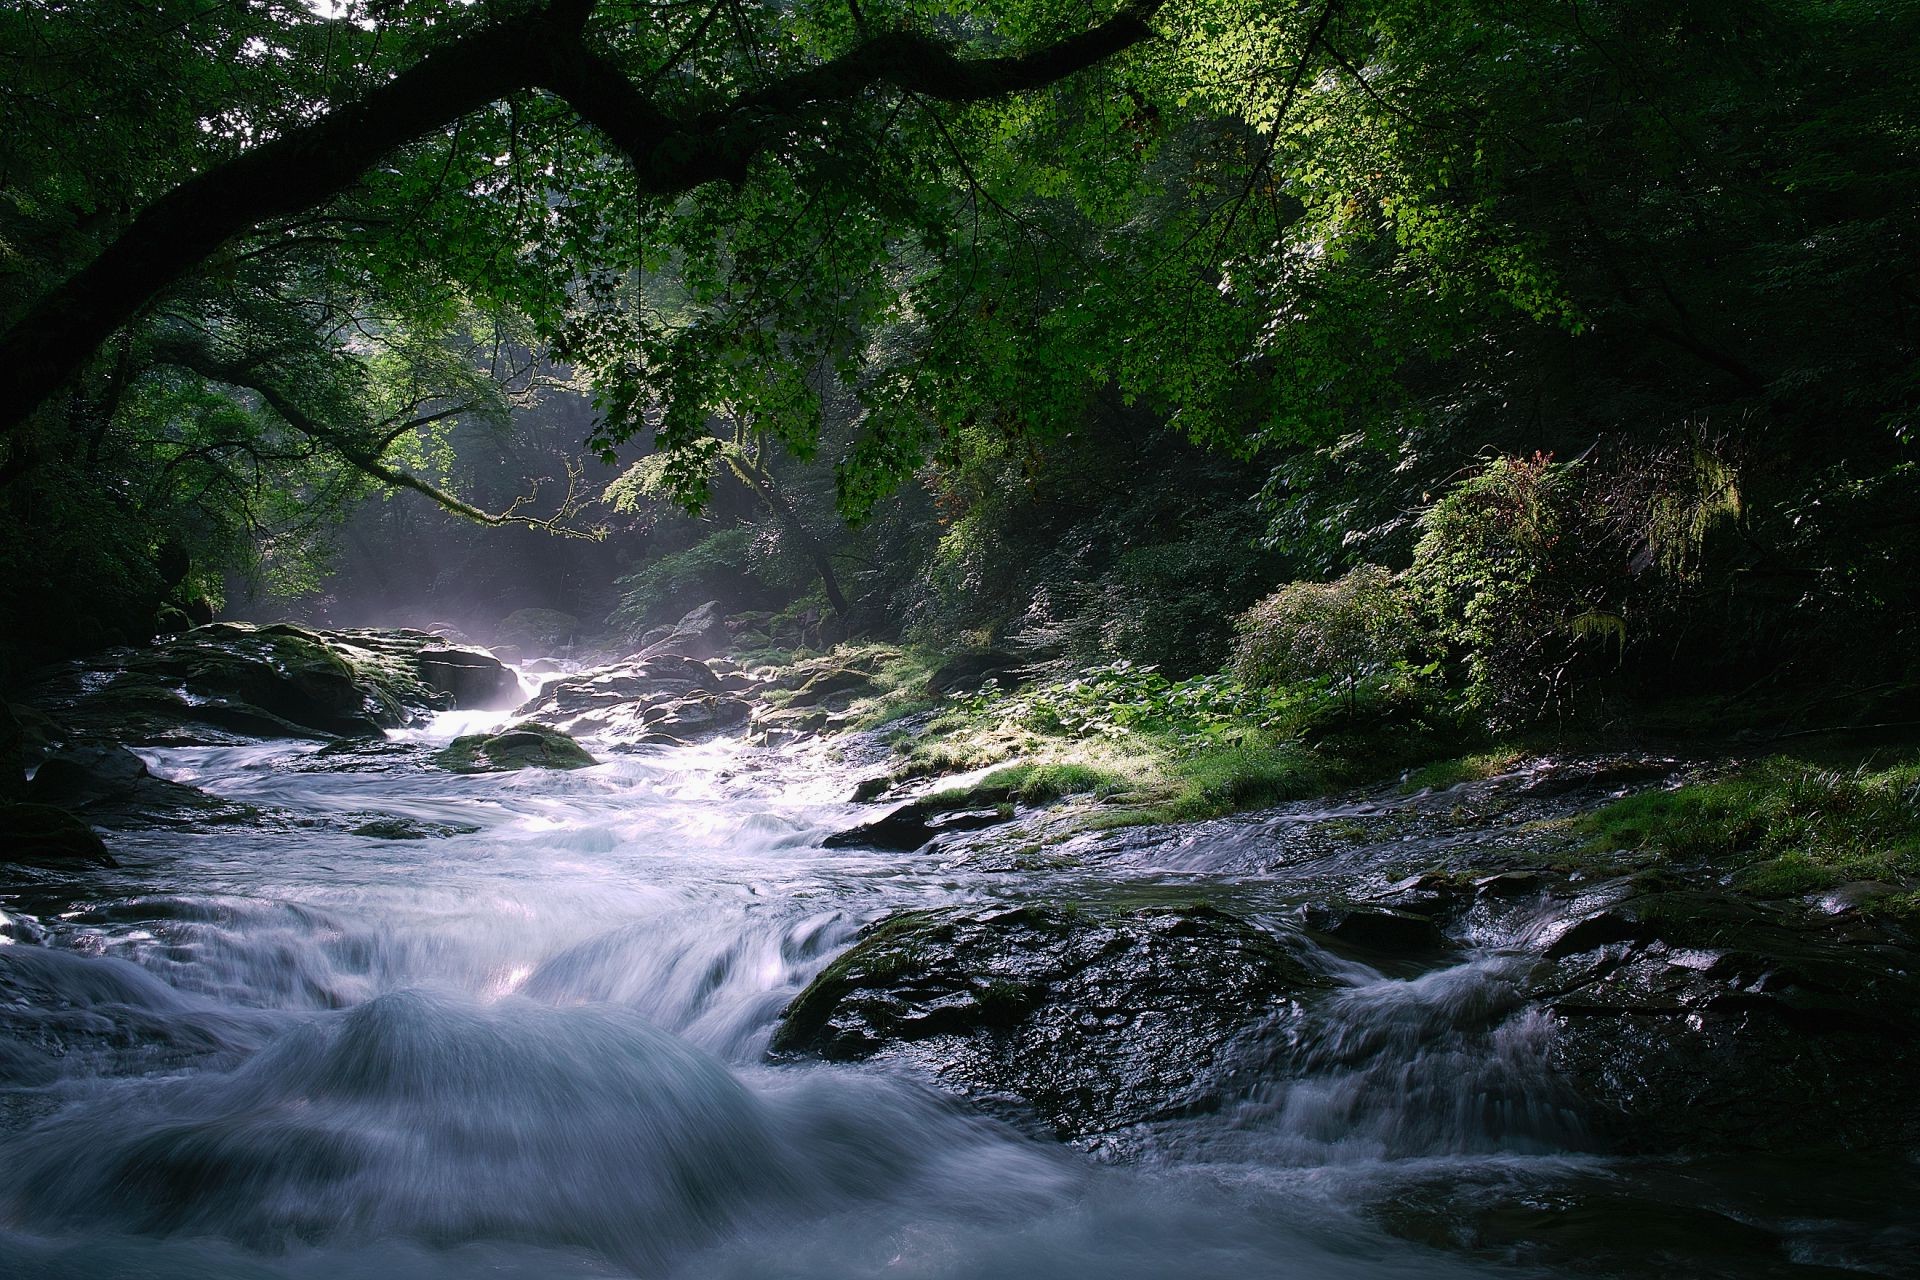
(1779,827)
(523,746)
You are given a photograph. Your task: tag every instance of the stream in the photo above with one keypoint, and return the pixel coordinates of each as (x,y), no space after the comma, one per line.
(539,1048)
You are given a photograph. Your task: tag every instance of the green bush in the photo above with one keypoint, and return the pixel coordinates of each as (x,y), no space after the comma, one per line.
(1338,633)
(1505,576)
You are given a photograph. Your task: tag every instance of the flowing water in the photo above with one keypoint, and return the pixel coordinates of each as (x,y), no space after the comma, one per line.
(538,1049)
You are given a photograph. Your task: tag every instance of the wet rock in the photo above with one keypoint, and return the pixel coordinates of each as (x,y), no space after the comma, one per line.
(869,789)
(1705,1021)
(915,823)
(522,746)
(107,785)
(772,726)
(236,682)
(389,826)
(473,680)
(1377,928)
(363,755)
(664,693)
(1088,1021)
(970,672)
(42,834)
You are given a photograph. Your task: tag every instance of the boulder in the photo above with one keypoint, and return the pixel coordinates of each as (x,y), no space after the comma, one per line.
(664,693)
(523,746)
(107,785)
(911,825)
(1699,1020)
(970,672)
(1086,1020)
(700,633)
(235,682)
(42,834)
(473,680)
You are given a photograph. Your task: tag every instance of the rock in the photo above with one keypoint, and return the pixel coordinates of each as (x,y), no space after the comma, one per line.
(1089,1021)
(869,789)
(363,755)
(473,680)
(1377,928)
(40,833)
(844,683)
(701,633)
(1699,1020)
(523,746)
(915,823)
(970,672)
(235,682)
(774,725)
(107,785)
(388,826)
(666,692)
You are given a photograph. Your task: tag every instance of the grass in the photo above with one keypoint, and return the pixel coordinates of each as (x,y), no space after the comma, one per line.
(1477,767)
(1781,827)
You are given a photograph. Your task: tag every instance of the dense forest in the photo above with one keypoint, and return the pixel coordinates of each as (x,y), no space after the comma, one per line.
(1597,320)
(1498,416)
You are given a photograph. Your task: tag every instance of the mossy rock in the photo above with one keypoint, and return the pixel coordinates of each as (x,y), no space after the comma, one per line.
(522,746)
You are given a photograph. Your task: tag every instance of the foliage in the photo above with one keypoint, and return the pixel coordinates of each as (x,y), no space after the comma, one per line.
(1121,698)
(1342,632)
(666,588)
(1497,575)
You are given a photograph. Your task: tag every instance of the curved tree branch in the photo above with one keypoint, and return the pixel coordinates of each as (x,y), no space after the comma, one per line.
(52,342)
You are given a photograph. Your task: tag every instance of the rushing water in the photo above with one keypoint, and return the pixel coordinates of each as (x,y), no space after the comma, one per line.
(538,1049)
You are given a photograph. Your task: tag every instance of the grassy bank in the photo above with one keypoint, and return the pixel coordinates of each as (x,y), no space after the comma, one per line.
(1785,825)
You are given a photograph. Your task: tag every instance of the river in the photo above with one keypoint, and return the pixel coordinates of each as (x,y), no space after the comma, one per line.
(538,1048)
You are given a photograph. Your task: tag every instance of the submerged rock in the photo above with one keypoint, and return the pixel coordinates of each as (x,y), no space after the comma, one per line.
(393,826)
(1089,1021)
(234,682)
(523,746)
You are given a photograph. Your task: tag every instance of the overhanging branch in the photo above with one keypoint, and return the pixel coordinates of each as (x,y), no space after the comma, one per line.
(48,346)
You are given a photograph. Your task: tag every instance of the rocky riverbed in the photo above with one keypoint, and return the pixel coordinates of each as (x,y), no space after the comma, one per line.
(352,950)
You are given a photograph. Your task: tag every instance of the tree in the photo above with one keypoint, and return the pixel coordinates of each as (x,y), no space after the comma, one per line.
(673,143)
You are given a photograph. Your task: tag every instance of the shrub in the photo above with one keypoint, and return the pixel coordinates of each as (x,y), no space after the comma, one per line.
(1505,575)
(1340,633)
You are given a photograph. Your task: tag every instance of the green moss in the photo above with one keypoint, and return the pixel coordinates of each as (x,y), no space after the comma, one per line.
(522,746)
(1782,826)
